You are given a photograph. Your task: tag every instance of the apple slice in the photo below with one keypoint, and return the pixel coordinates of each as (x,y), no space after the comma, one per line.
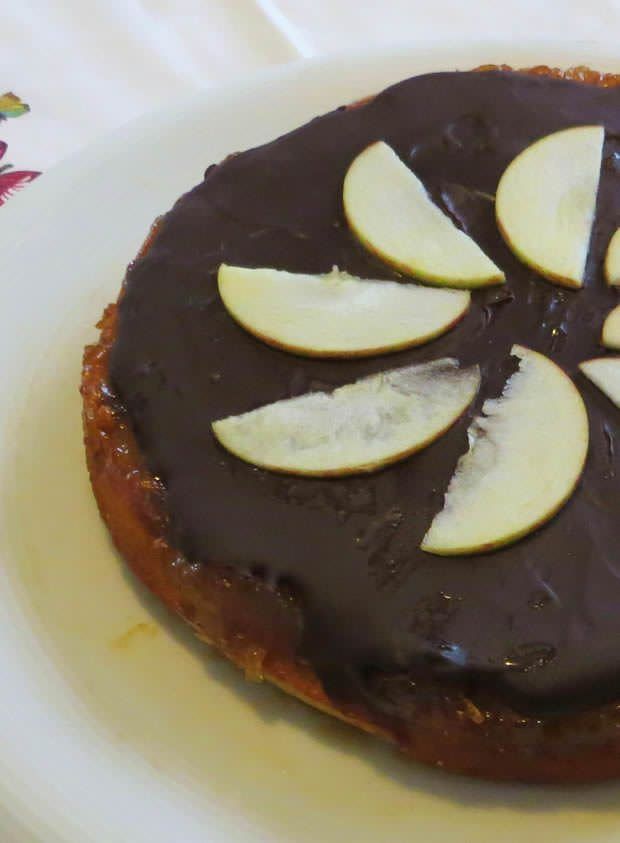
(336,315)
(546,200)
(391,213)
(612,260)
(611,330)
(527,451)
(359,427)
(604,372)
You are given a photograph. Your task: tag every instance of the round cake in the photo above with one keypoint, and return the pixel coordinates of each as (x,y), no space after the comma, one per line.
(503,664)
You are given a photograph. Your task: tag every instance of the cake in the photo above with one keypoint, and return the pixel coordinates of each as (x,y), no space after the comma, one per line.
(502,664)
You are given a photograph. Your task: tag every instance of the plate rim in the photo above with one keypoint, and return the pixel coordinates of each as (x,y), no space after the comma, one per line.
(31,205)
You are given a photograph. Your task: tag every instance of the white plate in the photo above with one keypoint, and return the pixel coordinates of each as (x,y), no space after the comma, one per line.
(115,725)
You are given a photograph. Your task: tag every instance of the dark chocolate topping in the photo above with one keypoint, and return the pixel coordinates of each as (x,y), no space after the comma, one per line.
(539,621)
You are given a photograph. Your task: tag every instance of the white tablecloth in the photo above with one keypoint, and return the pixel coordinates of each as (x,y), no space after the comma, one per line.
(87,66)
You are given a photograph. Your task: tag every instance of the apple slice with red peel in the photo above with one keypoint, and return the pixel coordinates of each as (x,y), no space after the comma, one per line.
(527,451)
(360,427)
(390,212)
(611,330)
(546,199)
(612,261)
(604,372)
(336,315)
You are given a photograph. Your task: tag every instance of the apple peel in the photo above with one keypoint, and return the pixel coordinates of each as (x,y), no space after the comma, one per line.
(611,330)
(546,200)
(336,314)
(357,428)
(604,372)
(612,260)
(526,454)
(390,212)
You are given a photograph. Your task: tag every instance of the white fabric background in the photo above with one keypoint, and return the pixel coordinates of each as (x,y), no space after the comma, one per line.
(86,66)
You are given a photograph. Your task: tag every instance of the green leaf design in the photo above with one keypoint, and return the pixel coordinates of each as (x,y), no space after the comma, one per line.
(12,106)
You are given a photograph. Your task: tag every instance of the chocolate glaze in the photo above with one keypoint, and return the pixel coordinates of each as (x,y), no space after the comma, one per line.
(537,622)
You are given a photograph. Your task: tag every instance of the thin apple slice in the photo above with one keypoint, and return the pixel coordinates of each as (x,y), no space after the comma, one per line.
(359,427)
(546,200)
(612,261)
(391,213)
(611,330)
(336,315)
(527,451)
(604,372)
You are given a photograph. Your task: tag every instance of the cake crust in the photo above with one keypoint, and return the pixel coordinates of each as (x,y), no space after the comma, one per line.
(259,628)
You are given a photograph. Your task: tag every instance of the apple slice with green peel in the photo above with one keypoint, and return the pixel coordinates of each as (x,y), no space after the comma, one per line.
(604,372)
(611,330)
(360,427)
(390,212)
(526,454)
(612,261)
(546,199)
(336,315)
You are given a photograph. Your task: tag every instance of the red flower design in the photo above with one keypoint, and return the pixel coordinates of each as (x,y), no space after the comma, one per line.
(12,180)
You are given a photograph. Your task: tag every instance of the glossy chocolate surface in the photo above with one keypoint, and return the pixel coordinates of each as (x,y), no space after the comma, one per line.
(537,622)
